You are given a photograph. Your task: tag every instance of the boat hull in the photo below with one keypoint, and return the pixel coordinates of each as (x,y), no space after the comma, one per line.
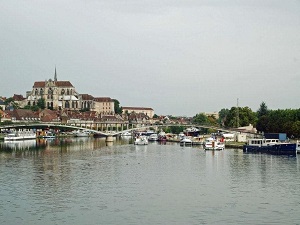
(19,138)
(141,141)
(279,149)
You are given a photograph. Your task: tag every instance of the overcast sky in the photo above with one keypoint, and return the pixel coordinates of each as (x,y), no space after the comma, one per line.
(179,57)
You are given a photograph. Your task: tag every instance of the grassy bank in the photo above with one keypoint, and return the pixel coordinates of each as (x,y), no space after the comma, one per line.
(233,144)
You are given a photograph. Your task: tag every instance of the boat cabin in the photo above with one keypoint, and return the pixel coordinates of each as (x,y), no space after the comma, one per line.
(263,142)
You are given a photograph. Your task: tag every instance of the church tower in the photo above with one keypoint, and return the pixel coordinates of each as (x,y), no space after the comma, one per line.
(55,75)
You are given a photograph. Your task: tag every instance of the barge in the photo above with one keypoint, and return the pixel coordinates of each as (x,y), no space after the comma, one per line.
(270,146)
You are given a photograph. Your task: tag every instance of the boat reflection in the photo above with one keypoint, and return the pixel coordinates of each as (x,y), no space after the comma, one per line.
(68,143)
(18,145)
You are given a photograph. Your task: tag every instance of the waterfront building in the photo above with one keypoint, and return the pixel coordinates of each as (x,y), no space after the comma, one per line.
(47,115)
(22,115)
(57,94)
(104,105)
(86,101)
(147,111)
(60,95)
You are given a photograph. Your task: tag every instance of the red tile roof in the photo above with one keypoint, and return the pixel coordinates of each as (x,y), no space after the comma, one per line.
(18,97)
(40,84)
(87,97)
(103,99)
(136,108)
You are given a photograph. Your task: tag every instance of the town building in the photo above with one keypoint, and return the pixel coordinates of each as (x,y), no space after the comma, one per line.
(147,111)
(104,105)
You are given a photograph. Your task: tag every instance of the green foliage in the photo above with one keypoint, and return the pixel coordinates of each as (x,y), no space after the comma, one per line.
(6,122)
(27,107)
(84,110)
(11,101)
(155,116)
(8,100)
(41,103)
(201,119)
(173,129)
(239,117)
(176,129)
(118,109)
(222,116)
(280,121)
(263,110)
(35,108)
(296,129)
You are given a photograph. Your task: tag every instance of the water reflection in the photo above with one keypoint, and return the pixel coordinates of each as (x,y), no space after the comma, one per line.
(63,144)
(87,180)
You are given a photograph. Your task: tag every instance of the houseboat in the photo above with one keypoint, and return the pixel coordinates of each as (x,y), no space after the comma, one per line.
(270,146)
(20,135)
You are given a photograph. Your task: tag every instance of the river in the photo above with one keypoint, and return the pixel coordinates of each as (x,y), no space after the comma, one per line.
(87,181)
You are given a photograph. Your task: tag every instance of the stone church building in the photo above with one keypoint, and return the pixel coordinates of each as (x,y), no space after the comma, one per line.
(59,95)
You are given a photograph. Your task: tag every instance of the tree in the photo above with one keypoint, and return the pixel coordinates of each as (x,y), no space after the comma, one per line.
(41,103)
(10,101)
(201,119)
(35,108)
(296,129)
(263,110)
(223,116)
(118,109)
(245,117)
(155,116)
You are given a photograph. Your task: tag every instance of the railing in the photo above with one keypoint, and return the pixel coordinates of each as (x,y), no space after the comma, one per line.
(109,125)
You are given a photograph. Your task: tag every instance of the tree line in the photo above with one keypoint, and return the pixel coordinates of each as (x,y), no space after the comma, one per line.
(265,120)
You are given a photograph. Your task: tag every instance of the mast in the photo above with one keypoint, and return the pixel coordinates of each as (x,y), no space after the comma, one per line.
(237,114)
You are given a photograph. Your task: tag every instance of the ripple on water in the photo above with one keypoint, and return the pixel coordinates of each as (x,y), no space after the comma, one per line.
(154,184)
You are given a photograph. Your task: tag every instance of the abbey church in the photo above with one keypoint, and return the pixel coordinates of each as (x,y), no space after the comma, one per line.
(59,95)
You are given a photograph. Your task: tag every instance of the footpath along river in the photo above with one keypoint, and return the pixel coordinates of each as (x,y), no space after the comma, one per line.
(85,181)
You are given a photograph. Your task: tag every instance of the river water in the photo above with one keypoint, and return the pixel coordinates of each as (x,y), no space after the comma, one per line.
(87,181)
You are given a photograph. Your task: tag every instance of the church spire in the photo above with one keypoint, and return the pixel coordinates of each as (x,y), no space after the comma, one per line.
(55,75)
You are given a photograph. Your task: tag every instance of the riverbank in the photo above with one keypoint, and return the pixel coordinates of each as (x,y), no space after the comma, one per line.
(233,144)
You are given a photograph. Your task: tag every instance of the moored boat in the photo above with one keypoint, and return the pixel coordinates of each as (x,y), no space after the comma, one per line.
(141,140)
(162,136)
(153,137)
(270,146)
(126,133)
(81,133)
(213,144)
(20,135)
(186,141)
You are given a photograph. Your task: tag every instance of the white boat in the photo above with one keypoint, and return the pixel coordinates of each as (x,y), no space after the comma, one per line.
(153,137)
(141,140)
(186,141)
(20,135)
(126,133)
(81,133)
(49,135)
(298,147)
(213,144)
